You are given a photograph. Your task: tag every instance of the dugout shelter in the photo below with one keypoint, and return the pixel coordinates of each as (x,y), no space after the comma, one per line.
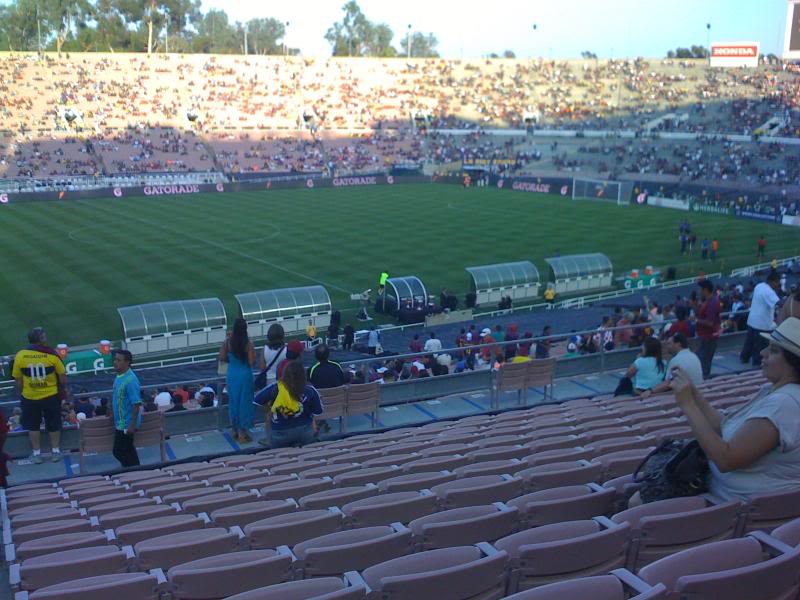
(293,308)
(174,325)
(580,272)
(490,283)
(400,292)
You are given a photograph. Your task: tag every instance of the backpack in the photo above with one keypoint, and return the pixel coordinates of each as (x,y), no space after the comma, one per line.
(284,405)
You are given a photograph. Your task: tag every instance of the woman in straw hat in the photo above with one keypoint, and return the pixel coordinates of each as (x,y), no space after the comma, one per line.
(756,449)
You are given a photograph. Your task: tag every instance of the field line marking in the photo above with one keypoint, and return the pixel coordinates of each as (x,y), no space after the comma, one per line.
(242,254)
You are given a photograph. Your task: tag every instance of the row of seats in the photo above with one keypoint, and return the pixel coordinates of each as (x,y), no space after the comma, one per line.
(521,481)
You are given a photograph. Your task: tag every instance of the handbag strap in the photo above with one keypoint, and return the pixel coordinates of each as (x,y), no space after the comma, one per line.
(274,359)
(658,449)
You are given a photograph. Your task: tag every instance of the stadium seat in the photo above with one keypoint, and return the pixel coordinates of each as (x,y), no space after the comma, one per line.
(668,526)
(322,588)
(58,567)
(292,528)
(601,587)
(473,491)
(120,586)
(560,474)
(732,569)
(764,512)
(165,551)
(465,572)
(386,509)
(564,550)
(563,504)
(463,526)
(352,550)
(132,533)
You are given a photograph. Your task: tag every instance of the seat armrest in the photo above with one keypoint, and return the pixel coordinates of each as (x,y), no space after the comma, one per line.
(110,535)
(238,531)
(605,522)
(632,581)
(487,548)
(10,552)
(774,545)
(399,527)
(205,517)
(159,575)
(286,551)
(354,579)
(129,552)
(14,575)
(596,487)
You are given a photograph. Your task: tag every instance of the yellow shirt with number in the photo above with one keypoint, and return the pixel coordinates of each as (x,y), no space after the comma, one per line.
(39,372)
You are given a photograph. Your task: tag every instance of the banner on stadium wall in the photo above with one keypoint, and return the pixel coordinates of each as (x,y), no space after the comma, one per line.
(191,189)
(538,185)
(792,221)
(708,208)
(667,202)
(734,54)
(749,214)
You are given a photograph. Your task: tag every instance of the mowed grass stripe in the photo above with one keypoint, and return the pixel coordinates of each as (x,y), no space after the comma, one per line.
(132,250)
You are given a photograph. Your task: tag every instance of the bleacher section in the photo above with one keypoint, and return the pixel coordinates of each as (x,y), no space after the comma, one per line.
(139,113)
(482,507)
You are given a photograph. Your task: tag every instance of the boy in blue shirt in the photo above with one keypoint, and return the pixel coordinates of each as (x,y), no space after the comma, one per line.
(126,408)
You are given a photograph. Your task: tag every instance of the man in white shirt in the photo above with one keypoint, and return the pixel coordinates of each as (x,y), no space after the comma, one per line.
(761,318)
(682,357)
(433,345)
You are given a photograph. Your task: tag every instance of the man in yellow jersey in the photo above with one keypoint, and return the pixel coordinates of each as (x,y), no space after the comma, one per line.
(39,373)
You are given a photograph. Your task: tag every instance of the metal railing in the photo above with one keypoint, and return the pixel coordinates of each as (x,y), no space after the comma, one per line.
(750,270)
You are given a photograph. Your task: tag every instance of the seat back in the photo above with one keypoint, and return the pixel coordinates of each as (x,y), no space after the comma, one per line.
(767,511)
(323,588)
(512,377)
(96,435)
(120,586)
(58,567)
(151,431)
(363,398)
(541,372)
(334,402)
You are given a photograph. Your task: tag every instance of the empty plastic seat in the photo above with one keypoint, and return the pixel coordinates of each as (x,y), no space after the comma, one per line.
(435,463)
(323,588)
(186,468)
(564,550)
(392,459)
(104,498)
(668,526)
(292,528)
(368,475)
(352,550)
(764,512)
(232,477)
(558,442)
(464,572)
(447,447)
(567,503)
(295,488)
(137,531)
(389,508)
(56,543)
(601,587)
(491,467)
(107,507)
(472,491)
(617,444)
(329,470)
(497,453)
(261,481)
(337,496)
(415,481)
(212,471)
(52,527)
(788,533)
(32,501)
(166,551)
(141,475)
(38,508)
(621,462)
(212,502)
(465,525)
(222,575)
(186,495)
(731,569)
(243,514)
(560,474)
(146,484)
(558,455)
(112,520)
(41,516)
(57,567)
(120,586)
(297,467)
(165,489)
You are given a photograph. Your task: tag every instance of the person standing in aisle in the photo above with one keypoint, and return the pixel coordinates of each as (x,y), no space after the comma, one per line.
(240,355)
(126,409)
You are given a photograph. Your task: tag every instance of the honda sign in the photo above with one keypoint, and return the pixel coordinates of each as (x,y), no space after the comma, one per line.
(734,54)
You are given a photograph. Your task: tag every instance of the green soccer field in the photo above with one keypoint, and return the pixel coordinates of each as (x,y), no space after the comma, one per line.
(68,266)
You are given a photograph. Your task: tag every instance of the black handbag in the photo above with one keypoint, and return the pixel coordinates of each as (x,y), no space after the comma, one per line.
(675,469)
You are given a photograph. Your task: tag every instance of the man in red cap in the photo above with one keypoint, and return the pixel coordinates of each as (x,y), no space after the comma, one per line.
(294,350)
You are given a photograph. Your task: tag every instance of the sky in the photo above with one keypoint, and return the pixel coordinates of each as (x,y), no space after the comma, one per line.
(564,28)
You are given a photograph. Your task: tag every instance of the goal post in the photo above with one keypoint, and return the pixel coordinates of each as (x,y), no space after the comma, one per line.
(617,192)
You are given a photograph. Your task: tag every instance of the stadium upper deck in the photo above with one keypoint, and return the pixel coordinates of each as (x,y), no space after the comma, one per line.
(249,112)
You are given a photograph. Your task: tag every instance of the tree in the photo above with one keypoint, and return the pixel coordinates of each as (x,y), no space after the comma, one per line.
(422,46)
(215,34)
(65,16)
(509,54)
(588,55)
(693,52)
(266,36)
(20,24)
(355,35)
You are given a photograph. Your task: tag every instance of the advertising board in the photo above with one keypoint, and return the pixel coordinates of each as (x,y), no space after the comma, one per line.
(734,54)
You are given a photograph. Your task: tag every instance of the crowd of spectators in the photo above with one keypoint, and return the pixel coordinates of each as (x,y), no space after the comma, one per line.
(350,105)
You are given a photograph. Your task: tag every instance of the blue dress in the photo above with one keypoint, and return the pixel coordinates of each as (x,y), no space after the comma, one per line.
(240,393)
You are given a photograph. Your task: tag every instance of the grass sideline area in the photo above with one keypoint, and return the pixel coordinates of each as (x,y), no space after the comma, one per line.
(68,266)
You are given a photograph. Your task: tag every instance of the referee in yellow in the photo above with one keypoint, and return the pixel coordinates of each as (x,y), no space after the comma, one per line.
(40,375)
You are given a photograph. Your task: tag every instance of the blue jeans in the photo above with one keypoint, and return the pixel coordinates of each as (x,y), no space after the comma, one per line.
(295,436)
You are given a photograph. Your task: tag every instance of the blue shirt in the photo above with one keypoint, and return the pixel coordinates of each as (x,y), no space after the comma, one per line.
(312,405)
(647,374)
(127,392)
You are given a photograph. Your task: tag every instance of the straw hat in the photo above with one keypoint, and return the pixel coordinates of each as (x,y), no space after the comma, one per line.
(787,335)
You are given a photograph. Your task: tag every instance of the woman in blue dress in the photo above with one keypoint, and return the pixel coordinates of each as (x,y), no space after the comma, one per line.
(240,355)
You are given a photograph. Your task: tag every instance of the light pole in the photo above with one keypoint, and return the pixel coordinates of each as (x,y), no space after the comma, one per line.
(535,27)
(708,41)
(408,42)
(285,34)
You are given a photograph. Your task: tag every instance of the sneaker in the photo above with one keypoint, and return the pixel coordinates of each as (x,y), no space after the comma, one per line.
(56,456)
(37,459)
(264,442)
(245,438)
